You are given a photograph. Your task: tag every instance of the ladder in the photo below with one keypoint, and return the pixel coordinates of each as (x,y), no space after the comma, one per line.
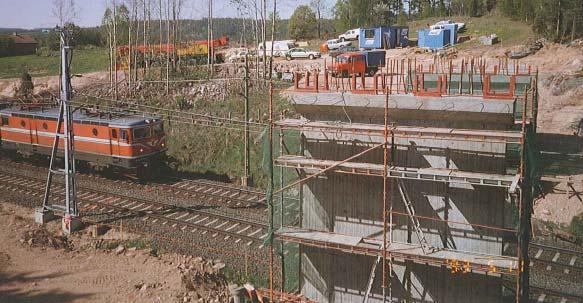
(411,211)
(371,279)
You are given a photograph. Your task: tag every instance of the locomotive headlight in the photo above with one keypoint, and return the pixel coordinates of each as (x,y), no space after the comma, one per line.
(141,150)
(163,144)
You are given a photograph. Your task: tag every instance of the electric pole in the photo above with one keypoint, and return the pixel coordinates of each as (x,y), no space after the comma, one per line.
(247,169)
(65,122)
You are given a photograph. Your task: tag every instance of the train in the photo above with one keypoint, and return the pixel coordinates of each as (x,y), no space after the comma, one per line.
(193,52)
(118,140)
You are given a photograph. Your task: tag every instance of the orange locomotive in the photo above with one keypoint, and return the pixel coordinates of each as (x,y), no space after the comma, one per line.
(101,139)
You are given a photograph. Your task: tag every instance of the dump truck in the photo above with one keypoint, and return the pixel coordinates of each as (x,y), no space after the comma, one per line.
(367,63)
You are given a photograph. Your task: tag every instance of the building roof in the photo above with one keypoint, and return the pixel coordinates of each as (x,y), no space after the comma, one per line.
(21,39)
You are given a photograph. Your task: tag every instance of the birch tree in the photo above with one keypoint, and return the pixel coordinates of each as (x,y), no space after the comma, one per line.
(318,6)
(64,11)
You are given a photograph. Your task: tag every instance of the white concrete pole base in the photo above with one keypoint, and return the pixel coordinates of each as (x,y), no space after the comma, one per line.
(42,215)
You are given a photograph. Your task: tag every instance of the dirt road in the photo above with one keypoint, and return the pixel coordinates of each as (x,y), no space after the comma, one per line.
(29,273)
(51,83)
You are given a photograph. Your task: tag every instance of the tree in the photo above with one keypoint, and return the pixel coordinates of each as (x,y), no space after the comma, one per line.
(26,87)
(303,23)
(64,11)
(319,6)
(277,23)
(381,13)
(557,20)
(342,16)
(362,13)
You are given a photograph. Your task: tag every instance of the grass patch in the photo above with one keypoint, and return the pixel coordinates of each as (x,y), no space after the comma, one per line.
(237,277)
(137,243)
(84,61)
(509,31)
(576,227)
(218,153)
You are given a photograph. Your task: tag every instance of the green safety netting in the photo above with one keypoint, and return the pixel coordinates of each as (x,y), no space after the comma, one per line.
(288,253)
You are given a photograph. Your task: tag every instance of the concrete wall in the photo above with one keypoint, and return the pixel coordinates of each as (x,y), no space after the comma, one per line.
(352,205)
(407,110)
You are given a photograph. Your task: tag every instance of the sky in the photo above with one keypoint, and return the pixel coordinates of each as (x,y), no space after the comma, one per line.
(37,13)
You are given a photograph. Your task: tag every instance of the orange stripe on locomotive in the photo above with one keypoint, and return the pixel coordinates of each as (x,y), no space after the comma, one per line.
(127,141)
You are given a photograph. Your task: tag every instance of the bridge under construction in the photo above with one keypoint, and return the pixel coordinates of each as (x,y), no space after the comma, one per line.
(415,185)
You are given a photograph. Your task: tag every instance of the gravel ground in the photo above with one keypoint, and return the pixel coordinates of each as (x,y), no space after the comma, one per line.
(243,259)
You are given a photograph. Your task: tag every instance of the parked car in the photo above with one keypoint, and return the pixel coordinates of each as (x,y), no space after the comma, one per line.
(337,43)
(361,63)
(439,25)
(351,34)
(297,53)
(342,50)
(279,48)
(239,56)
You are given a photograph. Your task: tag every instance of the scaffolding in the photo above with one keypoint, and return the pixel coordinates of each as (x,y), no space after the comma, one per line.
(405,77)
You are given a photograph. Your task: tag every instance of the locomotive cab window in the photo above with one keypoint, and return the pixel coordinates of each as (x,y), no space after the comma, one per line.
(114,133)
(4,120)
(141,133)
(124,134)
(94,132)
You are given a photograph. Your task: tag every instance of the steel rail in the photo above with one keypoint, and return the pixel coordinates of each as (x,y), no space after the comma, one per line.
(148,209)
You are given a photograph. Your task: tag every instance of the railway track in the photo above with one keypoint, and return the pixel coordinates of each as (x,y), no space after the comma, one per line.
(556,259)
(99,202)
(227,195)
(102,203)
(543,295)
(215,193)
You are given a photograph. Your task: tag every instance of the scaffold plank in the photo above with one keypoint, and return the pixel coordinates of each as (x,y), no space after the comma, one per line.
(424,174)
(457,261)
(403,131)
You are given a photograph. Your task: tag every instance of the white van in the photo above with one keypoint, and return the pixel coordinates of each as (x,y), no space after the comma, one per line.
(279,47)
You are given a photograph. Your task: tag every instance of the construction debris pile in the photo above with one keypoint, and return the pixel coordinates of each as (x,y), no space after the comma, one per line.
(529,49)
(203,280)
(40,237)
(558,83)
(576,43)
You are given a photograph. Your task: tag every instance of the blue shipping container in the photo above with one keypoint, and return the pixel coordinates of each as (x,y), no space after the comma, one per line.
(434,39)
(383,37)
(453,33)
(373,38)
(422,33)
(402,34)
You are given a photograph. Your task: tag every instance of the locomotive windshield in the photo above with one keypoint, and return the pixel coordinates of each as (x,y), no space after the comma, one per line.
(141,133)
